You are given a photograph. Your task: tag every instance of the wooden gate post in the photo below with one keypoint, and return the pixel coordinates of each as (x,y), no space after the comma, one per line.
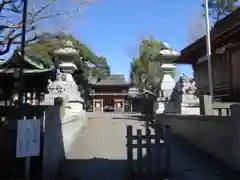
(130,149)
(139,151)
(149,152)
(158,141)
(167,162)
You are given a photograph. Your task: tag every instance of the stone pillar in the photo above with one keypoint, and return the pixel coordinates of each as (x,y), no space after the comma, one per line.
(122,105)
(206,105)
(167,87)
(98,109)
(93,105)
(53,153)
(131,104)
(102,105)
(116,108)
(168,83)
(235,109)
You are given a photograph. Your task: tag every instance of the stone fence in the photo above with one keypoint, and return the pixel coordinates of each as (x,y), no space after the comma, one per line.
(178,104)
(218,136)
(208,107)
(62,127)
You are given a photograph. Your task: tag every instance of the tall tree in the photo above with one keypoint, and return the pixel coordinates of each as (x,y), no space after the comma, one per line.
(220,8)
(43,50)
(45,45)
(143,71)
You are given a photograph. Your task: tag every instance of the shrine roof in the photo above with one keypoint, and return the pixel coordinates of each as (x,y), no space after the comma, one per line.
(31,64)
(111,80)
(222,33)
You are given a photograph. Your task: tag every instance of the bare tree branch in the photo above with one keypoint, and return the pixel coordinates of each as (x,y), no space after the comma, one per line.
(5,2)
(10,29)
(11,41)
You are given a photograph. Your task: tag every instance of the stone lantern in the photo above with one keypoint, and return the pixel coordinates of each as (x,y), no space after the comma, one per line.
(66,57)
(167,83)
(65,86)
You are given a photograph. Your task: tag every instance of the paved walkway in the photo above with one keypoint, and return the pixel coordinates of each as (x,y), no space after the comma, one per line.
(100,153)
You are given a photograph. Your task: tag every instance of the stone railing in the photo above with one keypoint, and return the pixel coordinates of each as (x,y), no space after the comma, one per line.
(215,135)
(208,107)
(178,103)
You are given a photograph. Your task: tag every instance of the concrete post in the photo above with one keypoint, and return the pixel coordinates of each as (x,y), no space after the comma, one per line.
(235,109)
(206,105)
(53,152)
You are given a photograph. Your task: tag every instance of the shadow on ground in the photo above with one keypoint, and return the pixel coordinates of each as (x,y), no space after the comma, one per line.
(190,163)
(94,169)
(186,162)
(187,166)
(104,169)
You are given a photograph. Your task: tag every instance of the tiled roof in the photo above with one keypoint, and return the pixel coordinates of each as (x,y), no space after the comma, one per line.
(220,34)
(32,60)
(111,80)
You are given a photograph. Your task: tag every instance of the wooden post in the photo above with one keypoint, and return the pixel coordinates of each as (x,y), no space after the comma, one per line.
(130,148)
(167,162)
(158,133)
(27,164)
(149,152)
(139,150)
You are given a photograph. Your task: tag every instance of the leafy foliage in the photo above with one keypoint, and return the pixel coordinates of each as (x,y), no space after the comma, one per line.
(47,43)
(220,8)
(143,69)
(43,51)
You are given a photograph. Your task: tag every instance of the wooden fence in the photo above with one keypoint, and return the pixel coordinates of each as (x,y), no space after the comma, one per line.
(12,167)
(148,155)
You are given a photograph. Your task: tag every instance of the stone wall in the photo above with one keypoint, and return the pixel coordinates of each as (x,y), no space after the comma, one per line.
(179,100)
(72,124)
(177,108)
(61,130)
(216,135)
(53,153)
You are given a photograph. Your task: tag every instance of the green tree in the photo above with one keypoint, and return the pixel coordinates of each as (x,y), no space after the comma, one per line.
(43,49)
(220,8)
(144,70)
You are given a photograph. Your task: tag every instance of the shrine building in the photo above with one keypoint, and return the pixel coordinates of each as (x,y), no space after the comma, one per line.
(109,93)
(225,42)
(35,79)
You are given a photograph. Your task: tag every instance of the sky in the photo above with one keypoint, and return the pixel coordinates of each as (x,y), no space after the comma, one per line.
(114,28)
